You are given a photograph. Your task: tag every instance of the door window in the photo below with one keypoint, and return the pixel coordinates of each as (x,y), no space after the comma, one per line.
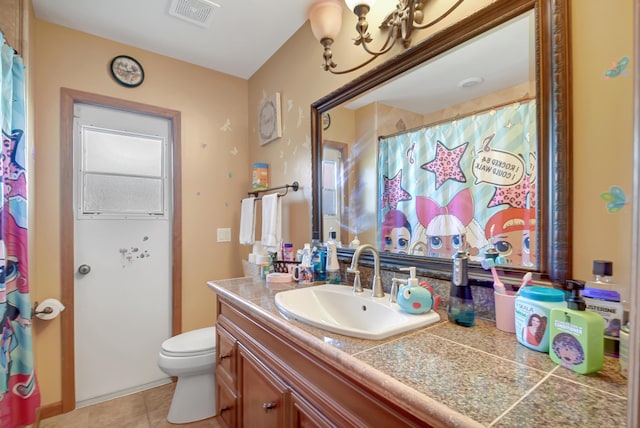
(122,173)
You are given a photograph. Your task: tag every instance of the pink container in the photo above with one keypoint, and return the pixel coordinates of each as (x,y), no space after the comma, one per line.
(505,311)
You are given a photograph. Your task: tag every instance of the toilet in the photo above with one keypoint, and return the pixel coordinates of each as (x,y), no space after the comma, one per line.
(191,357)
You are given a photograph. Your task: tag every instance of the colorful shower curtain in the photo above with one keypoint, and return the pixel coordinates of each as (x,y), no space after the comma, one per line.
(467,177)
(19,394)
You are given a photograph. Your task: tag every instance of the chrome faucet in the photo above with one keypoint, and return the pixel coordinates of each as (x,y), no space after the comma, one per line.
(376,286)
(393,297)
(414,246)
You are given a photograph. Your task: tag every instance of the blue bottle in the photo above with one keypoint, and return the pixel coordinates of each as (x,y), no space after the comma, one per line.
(461,310)
(319,263)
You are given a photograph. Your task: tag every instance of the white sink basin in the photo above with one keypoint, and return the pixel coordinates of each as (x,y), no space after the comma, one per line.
(338,309)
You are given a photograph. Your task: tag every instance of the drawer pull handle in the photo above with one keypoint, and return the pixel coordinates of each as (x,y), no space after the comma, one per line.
(225,408)
(222,357)
(269,406)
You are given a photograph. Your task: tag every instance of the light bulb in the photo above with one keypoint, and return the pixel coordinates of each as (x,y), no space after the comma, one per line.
(325,17)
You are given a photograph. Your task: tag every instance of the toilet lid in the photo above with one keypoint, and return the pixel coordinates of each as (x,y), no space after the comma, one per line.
(195,342)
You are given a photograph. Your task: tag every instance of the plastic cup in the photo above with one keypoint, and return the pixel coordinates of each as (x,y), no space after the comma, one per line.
(505,311)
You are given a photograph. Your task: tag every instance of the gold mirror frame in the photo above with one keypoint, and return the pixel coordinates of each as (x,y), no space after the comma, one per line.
(554,130)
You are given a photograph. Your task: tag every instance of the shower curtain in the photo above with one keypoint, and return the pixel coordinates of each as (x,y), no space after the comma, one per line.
(19,393)
(468,176)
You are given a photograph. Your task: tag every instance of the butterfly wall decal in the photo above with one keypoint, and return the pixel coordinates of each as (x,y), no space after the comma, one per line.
(617,68)
(615,198)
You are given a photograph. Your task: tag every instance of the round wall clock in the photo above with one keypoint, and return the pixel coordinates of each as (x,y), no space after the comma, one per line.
(326,121)
(127,71)
(269,122)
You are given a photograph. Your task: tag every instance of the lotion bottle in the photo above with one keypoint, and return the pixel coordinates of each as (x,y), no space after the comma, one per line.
(577,335)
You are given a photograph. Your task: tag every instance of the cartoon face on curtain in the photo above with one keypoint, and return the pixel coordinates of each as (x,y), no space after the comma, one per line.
(464,185)
(19,393)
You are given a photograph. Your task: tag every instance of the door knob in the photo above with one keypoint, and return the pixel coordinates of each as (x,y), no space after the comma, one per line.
(84,269)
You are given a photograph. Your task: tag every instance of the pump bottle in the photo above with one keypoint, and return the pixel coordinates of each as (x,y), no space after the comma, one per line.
(461,309)
(577,335)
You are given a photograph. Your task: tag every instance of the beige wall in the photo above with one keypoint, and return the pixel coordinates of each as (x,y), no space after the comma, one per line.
(602,141)
(602,121)
(215,168)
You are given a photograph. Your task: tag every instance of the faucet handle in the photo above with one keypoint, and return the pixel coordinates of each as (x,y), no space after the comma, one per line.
(357,285)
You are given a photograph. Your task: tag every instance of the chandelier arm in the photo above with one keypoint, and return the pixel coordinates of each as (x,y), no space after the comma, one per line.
(331,70)
(388,44)
(438,19)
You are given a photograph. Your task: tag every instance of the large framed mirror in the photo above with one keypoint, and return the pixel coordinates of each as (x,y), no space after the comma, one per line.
(381,145)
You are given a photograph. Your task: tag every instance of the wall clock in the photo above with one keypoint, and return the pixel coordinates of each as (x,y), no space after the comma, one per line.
(127,71)
(269,122)
(326,121)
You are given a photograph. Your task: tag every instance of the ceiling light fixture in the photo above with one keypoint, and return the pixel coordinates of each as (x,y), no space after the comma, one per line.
(325,17)
(470,82)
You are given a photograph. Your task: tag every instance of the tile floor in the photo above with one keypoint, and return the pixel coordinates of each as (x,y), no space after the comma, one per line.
(146,409)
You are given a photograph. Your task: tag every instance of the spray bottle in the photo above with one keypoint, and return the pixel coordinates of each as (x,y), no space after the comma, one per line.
(461,309)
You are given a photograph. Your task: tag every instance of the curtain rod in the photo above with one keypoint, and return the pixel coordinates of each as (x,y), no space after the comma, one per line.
(459,117)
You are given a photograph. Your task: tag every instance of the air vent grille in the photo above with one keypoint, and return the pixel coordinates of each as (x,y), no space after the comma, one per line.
(199,12)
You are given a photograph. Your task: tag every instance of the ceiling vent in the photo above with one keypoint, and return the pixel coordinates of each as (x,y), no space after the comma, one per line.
(199,12)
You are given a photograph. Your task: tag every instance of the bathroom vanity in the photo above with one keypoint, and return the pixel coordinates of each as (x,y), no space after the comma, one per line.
(276,372)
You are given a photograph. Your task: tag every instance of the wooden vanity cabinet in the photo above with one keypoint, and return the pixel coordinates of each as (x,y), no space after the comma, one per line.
(266,379)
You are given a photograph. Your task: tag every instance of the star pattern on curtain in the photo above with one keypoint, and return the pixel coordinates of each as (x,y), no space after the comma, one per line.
(446,164)
(393,191)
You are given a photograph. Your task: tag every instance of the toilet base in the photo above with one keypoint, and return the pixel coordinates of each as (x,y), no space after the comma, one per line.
(194,399)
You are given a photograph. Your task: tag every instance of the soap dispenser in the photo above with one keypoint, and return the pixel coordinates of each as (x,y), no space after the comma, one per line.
(461,309)
(414,298)
(333,267)
(577,335)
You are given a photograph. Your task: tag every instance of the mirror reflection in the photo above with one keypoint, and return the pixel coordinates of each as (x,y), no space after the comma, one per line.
(442,158)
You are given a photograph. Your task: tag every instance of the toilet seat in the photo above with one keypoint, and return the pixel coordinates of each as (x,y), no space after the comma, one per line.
(192,343)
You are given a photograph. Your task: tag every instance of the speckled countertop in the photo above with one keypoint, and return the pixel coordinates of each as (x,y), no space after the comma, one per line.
(478,376)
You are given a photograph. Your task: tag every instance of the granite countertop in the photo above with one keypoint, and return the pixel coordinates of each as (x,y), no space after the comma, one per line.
(478,376)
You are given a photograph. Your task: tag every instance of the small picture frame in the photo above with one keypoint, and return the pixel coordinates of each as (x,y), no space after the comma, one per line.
(269,119)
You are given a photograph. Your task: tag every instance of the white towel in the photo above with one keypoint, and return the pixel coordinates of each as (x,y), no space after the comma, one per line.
(248,221)
(271,222)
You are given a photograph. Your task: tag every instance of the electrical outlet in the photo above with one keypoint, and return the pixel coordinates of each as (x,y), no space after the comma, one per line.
(224,234)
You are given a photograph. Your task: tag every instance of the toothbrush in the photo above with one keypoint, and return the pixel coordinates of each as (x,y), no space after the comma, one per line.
(498,285)
(490,263)
(525,280)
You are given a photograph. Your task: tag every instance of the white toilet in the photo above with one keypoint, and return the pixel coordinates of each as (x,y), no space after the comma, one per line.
(191,356)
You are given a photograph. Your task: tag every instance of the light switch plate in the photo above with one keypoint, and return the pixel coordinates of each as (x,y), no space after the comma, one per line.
(224,234)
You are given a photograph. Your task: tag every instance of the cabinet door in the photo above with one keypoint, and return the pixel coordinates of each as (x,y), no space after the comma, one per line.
(306,416)
(226,350)
(227,405)
(264,398)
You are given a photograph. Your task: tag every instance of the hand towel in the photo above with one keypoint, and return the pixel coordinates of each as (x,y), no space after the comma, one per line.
(271,222)
(248,221)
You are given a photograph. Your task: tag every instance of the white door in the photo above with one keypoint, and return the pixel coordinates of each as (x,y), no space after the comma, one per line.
(122,231)
(331,192)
